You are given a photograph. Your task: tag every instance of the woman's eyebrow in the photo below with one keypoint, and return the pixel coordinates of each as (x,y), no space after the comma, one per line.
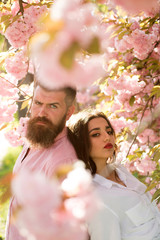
(98,129)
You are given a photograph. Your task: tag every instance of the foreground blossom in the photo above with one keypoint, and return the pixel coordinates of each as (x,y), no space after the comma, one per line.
(61,208)
(77,61)
(135,6)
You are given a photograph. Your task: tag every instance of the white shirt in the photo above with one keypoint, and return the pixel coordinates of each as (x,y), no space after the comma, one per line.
(126,213)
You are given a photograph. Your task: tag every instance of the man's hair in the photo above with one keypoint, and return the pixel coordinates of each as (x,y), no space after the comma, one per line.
(69,91)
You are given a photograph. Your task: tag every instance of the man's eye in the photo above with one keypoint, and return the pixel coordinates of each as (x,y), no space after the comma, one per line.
(53,106)
(37,103)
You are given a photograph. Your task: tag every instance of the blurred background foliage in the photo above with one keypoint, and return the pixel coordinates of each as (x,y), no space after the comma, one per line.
(6,166)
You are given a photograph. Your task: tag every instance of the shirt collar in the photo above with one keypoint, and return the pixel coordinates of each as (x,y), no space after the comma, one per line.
(102,181)
(108,183)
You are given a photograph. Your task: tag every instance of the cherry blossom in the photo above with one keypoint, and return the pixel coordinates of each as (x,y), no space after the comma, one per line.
(62,217)
(135,6)
(19,32)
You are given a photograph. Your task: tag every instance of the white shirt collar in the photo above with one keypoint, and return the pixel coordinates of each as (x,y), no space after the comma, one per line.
(130,181)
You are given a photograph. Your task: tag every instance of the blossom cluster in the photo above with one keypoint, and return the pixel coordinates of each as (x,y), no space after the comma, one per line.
(73,48)
(61,206)
(77,61)
(135,6)
(19,32)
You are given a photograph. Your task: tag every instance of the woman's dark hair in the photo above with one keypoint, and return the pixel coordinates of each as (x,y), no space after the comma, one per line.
(79,136)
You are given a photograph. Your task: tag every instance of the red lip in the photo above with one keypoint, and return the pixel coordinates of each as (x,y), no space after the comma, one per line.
(108,145)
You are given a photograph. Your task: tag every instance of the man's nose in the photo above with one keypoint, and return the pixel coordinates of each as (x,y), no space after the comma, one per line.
(42,112)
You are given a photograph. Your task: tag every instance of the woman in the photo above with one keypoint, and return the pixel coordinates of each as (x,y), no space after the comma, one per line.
(127,212)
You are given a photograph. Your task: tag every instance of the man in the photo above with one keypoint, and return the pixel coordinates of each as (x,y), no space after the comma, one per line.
(48,146)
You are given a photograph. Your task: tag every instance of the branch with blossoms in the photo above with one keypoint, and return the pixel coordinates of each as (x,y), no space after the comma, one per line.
(130,73)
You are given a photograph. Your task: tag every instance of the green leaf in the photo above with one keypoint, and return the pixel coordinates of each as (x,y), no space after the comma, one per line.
(155,91)
(25,104)
(94,46)
(156,195)
(103,8)
(68,56)
(131,101)
(155,148)
(131,157)
(156,156)
(151,186)
(5,18)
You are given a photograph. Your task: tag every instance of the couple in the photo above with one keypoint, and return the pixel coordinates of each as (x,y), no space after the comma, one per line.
(127,212)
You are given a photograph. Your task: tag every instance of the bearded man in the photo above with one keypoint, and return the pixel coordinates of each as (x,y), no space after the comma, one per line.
(48,146)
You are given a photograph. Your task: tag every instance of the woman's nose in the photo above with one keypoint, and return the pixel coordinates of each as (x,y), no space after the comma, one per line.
(105,136)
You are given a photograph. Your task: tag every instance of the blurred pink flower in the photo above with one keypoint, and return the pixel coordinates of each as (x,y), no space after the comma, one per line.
(136,6)
(6,112)
(48,194)
(80,27)
(83,97)
(14,138)
(58,210)
(17,65)
(78,181)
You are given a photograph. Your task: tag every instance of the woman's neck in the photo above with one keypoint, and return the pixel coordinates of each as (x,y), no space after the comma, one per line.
(109,172)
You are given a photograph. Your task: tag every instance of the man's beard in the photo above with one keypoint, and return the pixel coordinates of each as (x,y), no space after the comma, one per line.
(43,135)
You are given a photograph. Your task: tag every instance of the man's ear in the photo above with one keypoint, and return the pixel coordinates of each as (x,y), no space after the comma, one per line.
(70,111)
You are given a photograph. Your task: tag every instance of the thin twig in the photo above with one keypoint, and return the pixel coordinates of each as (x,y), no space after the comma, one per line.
(134,139)
(21,8)
(25,94)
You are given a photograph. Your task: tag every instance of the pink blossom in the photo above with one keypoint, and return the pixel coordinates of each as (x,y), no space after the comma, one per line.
(148,135)
(120,123)
(82,97)
(49,209)
(135,6)
(141,43)
(19,32)
(7,111)
(48,194)
(81,26)
(82,74)
(81,207)
(78,181)
(17,65)
(14,138)
(145,165)
(21,129)
(7,88)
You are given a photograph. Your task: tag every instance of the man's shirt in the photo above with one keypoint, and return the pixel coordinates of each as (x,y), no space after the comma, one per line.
(41,160)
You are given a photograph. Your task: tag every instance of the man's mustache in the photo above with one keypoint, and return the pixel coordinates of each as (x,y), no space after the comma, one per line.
(41,119)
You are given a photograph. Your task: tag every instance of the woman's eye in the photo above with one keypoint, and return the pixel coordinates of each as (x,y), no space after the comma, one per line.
(95,135)
(110,132)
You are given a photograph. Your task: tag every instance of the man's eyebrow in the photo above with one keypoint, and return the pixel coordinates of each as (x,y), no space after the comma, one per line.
(98,129)
(54,103)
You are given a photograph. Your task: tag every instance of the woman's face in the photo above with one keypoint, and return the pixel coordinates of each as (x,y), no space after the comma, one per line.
(102,139)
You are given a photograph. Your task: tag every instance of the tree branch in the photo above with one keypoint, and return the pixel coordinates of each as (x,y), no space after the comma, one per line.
(134,139)
(21,8)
